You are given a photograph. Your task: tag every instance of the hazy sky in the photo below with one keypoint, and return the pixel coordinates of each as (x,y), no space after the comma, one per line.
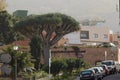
(70,7)
(75,8)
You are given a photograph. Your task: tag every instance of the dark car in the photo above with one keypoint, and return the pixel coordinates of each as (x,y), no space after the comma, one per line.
(88,75)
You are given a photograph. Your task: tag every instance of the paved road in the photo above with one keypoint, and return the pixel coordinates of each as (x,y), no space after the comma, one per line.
(113,77)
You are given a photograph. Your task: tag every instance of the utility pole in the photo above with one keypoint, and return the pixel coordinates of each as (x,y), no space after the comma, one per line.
(105,55)
(119,10)
(15,49)
(49,62)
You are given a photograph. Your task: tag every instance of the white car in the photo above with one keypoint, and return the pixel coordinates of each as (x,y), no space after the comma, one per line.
(97,72)
(111,65)
(105,68)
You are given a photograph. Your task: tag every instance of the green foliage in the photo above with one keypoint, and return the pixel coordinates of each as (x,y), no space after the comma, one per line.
(6,33)
(18,36)
(71,64)
(106,45)
(54,26)
(23,58)
(5,21)
(85,65)
(79,63)
(66,68)
(57,66)
(40,74)
(36,50)
(53,22)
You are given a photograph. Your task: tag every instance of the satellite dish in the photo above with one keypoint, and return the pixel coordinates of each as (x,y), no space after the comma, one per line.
(5,58)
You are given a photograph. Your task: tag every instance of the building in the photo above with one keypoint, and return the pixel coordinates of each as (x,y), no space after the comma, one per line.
(116,38)
(61,42)
(20,13)
(89,35)
(90,54)
(73,38)
(95,35)
(92,22)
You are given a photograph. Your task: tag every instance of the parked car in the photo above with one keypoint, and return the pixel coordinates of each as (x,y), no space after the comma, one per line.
(111,65)
(105,69)
(88,75)
(117,66)
(98,72)
(102,71)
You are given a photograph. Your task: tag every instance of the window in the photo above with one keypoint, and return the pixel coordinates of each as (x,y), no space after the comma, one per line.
(84,34)
(105,36)
(118,36)
(95,35)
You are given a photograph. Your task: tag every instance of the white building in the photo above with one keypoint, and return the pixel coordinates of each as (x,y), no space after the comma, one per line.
(90,35)
(93,34)
(73,38)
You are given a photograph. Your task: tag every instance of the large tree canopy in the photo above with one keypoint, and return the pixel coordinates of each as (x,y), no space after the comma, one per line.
(57,23)
(6,34)
(5,21)
(50,27)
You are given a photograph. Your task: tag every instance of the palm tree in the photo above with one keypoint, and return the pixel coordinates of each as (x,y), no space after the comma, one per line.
(50,27)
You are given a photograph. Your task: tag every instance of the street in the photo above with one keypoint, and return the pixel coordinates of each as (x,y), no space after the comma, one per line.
(111,77)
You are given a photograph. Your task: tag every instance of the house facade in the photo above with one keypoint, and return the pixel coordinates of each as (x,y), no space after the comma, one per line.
(95,35)
(90,35)
(116,38)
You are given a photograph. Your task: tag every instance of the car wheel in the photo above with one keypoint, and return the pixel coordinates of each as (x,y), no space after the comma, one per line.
(100,79)
(95,79)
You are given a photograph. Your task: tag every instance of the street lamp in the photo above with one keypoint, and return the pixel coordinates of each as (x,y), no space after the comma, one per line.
(15,48)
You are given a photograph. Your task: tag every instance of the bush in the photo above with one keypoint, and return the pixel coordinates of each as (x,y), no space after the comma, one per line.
(68,67)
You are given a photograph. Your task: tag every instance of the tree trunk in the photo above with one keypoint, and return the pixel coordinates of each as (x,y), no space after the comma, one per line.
(46,49)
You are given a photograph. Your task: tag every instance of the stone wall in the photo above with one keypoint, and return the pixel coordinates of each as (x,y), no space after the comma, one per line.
(93,55)
(90,55)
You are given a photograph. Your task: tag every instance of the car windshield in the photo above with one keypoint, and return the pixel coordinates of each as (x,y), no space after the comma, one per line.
(103,67)
(96,70)
(107,63)
(86,72)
